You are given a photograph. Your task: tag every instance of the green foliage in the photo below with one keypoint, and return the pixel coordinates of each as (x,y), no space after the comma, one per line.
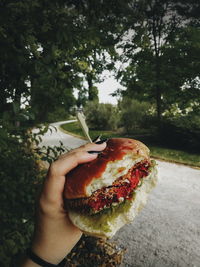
(93,94)
(158,151)
(74,127)
(60,114)
(162,54)
(21,176)
(174,155)
(55,47)
(134,115)
(19,183)
(181,132)
(101,116)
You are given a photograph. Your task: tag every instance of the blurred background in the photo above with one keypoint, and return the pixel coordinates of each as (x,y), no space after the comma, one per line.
(132,66)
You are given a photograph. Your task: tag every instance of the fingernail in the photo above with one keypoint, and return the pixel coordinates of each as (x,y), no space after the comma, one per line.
(96,138)
(101,141)
(94,152)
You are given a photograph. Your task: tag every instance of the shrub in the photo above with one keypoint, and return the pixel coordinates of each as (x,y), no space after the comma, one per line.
(20,179)
(182,132)
(60,114)
(134,115)
(101,116)
(18,184)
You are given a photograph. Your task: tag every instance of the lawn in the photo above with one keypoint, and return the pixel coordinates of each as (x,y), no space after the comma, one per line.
(75,128)
(163,153)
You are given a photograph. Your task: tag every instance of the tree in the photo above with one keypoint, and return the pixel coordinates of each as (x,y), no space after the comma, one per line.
(54,47)
(159,61)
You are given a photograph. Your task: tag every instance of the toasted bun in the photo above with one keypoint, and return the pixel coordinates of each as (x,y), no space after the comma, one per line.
(118,157)
(105,225)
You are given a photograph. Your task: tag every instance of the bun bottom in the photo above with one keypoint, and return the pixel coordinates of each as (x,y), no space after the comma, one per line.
(106,224)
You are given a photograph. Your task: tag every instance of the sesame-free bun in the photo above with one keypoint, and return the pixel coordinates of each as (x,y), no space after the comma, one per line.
(105,225)
(118,157)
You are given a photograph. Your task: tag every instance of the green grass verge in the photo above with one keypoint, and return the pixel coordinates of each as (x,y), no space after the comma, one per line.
(167,154)
(174,155)
(74,128)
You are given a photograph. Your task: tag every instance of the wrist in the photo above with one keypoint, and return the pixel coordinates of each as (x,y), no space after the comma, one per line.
(33,260)
(47,255)
(53,244)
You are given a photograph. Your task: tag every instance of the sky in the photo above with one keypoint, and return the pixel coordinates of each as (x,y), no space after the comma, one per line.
(105,89)
(108,86)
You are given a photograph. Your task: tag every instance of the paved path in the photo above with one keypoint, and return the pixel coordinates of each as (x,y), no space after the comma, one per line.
(167,231)
(54,136)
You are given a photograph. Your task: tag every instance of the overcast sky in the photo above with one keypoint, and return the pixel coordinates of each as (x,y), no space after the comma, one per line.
(106,88)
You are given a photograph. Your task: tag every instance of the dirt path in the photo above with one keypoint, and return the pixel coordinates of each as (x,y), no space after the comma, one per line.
(167,231)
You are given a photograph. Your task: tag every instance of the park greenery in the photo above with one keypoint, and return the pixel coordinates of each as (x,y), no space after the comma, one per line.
(158,151)
(51,49)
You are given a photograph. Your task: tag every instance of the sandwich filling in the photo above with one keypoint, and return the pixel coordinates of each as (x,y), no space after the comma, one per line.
(120,190)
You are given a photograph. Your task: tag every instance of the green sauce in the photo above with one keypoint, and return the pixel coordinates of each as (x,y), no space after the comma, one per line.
(103,219)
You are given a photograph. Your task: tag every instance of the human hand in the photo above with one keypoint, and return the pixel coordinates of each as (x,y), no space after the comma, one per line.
(55,235)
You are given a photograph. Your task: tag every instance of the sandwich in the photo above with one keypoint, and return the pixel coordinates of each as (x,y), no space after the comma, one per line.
(103,195)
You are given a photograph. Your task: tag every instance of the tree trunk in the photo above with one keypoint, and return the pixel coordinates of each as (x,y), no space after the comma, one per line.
(156,40)
(158,92)
(17,102)
(90,86)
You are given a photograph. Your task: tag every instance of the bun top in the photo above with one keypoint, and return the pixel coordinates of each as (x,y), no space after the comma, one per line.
(80,180)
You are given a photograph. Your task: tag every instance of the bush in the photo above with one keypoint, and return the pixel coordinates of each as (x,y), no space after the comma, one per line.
(61,114)
(181,132)
(101,116)
(19,180)
(134,115)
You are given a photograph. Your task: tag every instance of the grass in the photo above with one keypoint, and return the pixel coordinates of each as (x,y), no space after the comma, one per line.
(172,155)
(74,128)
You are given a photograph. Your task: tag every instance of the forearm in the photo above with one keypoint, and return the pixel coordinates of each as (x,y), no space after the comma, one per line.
(55,235)
(50,248)
(42,257)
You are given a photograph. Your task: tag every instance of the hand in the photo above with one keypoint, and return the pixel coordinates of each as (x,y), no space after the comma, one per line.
(55,235)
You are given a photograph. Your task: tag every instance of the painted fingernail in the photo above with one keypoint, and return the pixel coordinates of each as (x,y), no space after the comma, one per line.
(94,152)
(96,138)
(101,141)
